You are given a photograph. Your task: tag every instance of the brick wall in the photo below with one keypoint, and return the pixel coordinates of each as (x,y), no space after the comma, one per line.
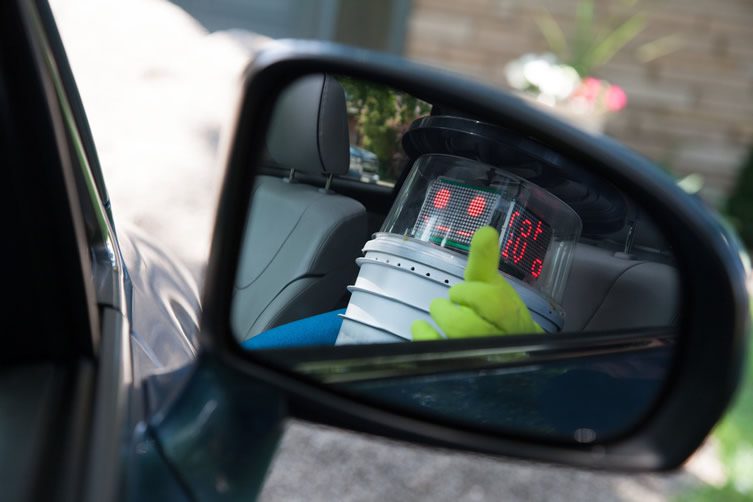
(691,111)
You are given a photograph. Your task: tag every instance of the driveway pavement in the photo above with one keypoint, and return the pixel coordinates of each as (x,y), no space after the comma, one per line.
(158,90)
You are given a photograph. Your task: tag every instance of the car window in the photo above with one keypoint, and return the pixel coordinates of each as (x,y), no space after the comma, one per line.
(377,118)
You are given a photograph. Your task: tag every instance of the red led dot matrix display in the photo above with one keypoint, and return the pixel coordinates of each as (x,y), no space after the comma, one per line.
(525,242)
(441,198)
(476,207)
(453,211)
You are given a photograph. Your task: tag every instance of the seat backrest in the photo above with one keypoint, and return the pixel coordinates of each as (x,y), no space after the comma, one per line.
(301,241)
(609,290)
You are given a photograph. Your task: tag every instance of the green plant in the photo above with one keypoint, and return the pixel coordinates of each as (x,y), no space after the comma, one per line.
(740,203)
(382,115)
(597,39)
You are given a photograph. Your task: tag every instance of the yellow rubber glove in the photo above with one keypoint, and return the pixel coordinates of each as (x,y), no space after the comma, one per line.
(484,304)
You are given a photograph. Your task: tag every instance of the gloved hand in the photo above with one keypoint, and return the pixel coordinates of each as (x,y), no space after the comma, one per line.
(484,304)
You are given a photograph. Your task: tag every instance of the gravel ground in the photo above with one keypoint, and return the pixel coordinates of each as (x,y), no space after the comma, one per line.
(158,90)
(337,465)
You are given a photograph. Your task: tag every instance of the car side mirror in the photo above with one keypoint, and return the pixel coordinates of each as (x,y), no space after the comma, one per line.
(632,302)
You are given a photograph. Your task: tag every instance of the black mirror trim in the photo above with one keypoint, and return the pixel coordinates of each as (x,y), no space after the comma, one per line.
(713,326)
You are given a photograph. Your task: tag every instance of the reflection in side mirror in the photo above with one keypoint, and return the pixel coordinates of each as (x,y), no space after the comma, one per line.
(379,218)
(577,252)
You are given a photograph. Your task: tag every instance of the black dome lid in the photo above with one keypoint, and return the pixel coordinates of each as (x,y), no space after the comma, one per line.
(599,204)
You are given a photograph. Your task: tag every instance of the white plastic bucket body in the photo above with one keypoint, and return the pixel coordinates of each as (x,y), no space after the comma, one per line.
(399,278)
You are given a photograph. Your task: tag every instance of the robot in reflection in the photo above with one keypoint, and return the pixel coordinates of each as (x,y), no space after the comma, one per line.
(467,250)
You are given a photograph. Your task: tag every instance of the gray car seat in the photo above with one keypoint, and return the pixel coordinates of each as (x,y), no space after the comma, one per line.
(301,241)
(608,290)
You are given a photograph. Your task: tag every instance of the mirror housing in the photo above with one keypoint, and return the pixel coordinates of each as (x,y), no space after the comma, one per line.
(709,356)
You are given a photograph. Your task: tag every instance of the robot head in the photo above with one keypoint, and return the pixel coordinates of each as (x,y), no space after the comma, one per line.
(421,249)
(446,198)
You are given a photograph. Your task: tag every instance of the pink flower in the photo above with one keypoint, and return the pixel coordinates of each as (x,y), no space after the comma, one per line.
(589,89)
(615,99)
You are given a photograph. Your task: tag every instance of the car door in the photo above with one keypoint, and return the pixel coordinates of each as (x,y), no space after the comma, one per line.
(66,374)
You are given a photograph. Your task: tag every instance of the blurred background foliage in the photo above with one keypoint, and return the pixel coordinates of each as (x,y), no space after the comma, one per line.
(379,116)
(600,34)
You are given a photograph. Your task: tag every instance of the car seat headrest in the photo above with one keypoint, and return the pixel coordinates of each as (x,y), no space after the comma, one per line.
(309,129)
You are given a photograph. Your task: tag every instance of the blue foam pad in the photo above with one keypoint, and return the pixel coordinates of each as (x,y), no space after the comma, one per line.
(320,329)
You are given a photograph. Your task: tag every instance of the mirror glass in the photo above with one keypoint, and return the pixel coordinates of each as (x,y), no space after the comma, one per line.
(380,222)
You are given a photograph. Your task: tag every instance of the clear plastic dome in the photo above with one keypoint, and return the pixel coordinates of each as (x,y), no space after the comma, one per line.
(445,199)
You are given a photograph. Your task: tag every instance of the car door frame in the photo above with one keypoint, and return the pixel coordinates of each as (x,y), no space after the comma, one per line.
(77,379)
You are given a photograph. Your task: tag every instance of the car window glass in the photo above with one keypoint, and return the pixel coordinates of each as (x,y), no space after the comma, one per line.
(377,117)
